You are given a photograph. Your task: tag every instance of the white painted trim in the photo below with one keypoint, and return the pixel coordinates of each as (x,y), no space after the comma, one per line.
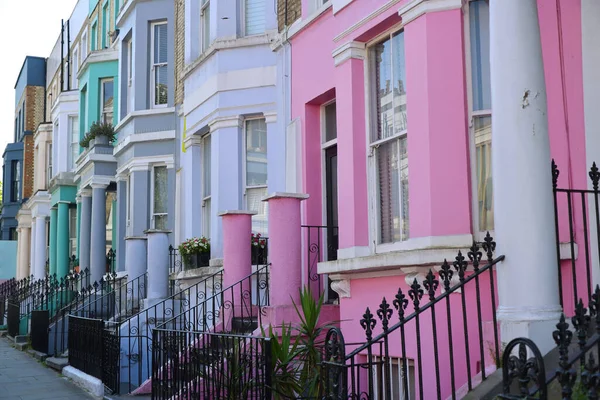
(338,5)
(341,287)
(428,242)
(374,14)
(300,24)
(414,9)
(353,252)
(143,113)
(143,137)
(349,50)
(215,112)
(235,121)
(152,66)
(270,117)
(144,163)
(98,56)
(228,81)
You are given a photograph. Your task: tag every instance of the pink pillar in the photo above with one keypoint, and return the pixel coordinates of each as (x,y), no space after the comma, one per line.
(437,130)
(352,158)
(237,260)
(285,248)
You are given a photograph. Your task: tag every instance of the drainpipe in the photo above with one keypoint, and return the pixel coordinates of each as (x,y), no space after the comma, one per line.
(62,55)
(45,96)
(68,54)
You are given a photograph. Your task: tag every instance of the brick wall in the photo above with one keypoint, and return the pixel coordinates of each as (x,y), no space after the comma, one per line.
(179,49)
(294,12)
(34,107)
(28,164)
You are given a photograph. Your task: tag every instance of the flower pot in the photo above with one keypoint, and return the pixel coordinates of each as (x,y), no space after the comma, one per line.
(259,255)
(101,139)
(194,261)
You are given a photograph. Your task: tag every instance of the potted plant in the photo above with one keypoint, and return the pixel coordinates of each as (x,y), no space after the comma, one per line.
(259,249)
(100,132)
(195,252)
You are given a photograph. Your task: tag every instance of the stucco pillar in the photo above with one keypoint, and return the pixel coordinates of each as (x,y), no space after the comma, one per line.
(135,256)
(121,226)
(227,193)
(437,125)
(523,202)
(352,158)
(62,241)
(24,252)
(40,247)
(140,180)
(285,248)
(158,264)
(53,233)
(98,232)
(31,249)
(192,175)
(85,230)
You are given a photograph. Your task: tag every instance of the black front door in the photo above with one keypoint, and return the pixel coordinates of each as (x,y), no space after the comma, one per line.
(331,194)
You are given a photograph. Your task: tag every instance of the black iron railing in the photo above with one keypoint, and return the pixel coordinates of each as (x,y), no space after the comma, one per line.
(577,376)
(370,370)
(321,245)
(201,365)
(135,331)
(583,214)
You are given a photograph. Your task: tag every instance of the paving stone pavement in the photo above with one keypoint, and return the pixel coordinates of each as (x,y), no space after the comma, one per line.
(23,378)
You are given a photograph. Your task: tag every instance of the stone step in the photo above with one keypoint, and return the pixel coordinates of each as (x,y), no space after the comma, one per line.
(38,355)
(57,363)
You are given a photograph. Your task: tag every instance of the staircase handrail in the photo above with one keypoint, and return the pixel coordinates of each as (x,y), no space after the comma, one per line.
(263,269)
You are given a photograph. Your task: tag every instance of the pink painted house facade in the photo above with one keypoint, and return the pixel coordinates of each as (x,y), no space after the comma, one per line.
(406,162)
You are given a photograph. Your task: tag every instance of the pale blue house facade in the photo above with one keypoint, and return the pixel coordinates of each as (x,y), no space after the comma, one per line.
(233,143)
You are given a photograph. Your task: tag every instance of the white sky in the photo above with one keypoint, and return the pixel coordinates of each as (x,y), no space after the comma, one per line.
(29,28)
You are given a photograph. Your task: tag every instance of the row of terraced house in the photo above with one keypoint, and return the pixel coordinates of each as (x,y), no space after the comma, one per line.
(186,173)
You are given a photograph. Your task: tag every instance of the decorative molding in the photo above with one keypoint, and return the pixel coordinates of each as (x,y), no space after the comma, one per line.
(376,13)
(349,50)
(341,287)
(85,192)
(145,163)
(143,113)
(97,56)
(270,117)
(100,182)
(133,138)
(235,121)
(414,9)
(192,140)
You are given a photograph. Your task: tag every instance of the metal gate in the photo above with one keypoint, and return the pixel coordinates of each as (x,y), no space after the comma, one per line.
(39,330)
(13,318)
(111,353)
(2,310)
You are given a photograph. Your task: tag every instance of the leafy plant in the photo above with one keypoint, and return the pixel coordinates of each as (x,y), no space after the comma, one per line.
(96,130)
(194,246)
(257,241)
(297,352)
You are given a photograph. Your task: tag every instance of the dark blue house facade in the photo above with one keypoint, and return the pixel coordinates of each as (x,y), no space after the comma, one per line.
(33,73)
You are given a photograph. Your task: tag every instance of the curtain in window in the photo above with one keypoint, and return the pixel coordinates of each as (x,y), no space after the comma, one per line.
(255,17)
(479,21)
(160,197)
(256,152)
(389,191)
(483,148)
(254,203)
(160,64)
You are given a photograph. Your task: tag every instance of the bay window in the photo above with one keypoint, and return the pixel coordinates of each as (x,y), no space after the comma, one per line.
(206,185)
(256,172)
(160,197)
(388,140)
(481,113)
(204,25)
(159,74)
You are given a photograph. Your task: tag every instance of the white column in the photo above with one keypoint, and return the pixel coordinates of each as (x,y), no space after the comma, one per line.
(32,240)
(24,252)
(523,205)
(39,267)
(158,264)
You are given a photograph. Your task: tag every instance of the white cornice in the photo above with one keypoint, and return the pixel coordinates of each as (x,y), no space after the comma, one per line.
(192,140)
(142,113)
(142,137)
(374,14)
(98,56)
(145,163)
(270,117)
(415,8)
(349,50)
(226,122)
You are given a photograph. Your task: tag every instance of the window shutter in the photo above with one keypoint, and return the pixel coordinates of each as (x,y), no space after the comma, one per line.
(255,17)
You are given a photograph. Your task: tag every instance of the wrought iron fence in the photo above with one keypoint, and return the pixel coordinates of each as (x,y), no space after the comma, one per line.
(13,319)
(582,209)
(321,245)
(525,376)
(371,370)
(135,331)
(194,365)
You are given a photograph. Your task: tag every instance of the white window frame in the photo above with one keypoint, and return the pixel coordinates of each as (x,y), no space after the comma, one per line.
(243,20)
(478,235)
(203,8)
(72,163)
(324,146)
(49,159)
(152,186)
(130,75)
(84,45)
(102,82)
(396,361)
(206,223)
(245,160)
(372,185)
(75,68)
(153,66)
(72,240)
